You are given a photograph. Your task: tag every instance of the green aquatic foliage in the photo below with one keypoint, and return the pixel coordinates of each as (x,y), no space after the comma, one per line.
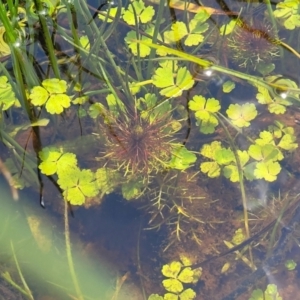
(191,33)
(241,115)
(136,48)
(52,93)
(54,160)
(7,96)
(173,84)
(133,189)
(77,185)
(178,274)
(138,10)
(290,265)
(270,293)
(228,86)
(205,110)
(239,236)
(287,12)
(182,158)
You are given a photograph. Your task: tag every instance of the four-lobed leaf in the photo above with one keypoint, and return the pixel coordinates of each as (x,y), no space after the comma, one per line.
(173,84)
(138,10)
(241,115)
(77,185)
(52,93)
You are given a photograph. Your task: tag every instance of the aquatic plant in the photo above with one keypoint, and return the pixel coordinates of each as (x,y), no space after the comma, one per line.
(270,293)
(178,274)
(251,44)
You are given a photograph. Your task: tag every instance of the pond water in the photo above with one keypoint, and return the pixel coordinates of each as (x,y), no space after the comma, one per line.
(149,150)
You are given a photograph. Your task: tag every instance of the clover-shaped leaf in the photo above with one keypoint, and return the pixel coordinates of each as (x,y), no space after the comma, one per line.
(257,295)
(77,185)
(137,48)
(172,285)
(288,12)
(163,78)
(267,170)
(224,156)
(172,269)
(170,296)
(204,113)
(7,96)
(187,294)
(138,10)
(209,150)
(266,137)
(186,275)
(192,34)
(271,293)
(182,158)
(240,115)
(211,168)
(264,153)
(52,94)
(55,161)
(287,142)
(232,171)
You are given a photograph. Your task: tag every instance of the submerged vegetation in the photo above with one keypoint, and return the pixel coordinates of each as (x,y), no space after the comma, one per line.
(120,100)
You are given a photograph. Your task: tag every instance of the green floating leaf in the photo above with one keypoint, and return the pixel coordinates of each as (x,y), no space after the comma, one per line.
(266,153)
(55,161)
(288,12)
(224,156)
(205,113)
(290,264)
(241,115)
(257,295)
(7,96)
(271,293)
(228,86)
(155,297)
(212,169)
(187,294)
(192,34)
(287,142)
(172,285)
(170,296)
(77,185)
(267,171)
(186,275)
(138,10)
(139,48)
(182,158)
(52,94)
(209,150)
(163,78)
(172,269)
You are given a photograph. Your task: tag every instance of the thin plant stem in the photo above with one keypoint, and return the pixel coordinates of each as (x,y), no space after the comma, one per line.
(241,181)
(69,254)
(48,40)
